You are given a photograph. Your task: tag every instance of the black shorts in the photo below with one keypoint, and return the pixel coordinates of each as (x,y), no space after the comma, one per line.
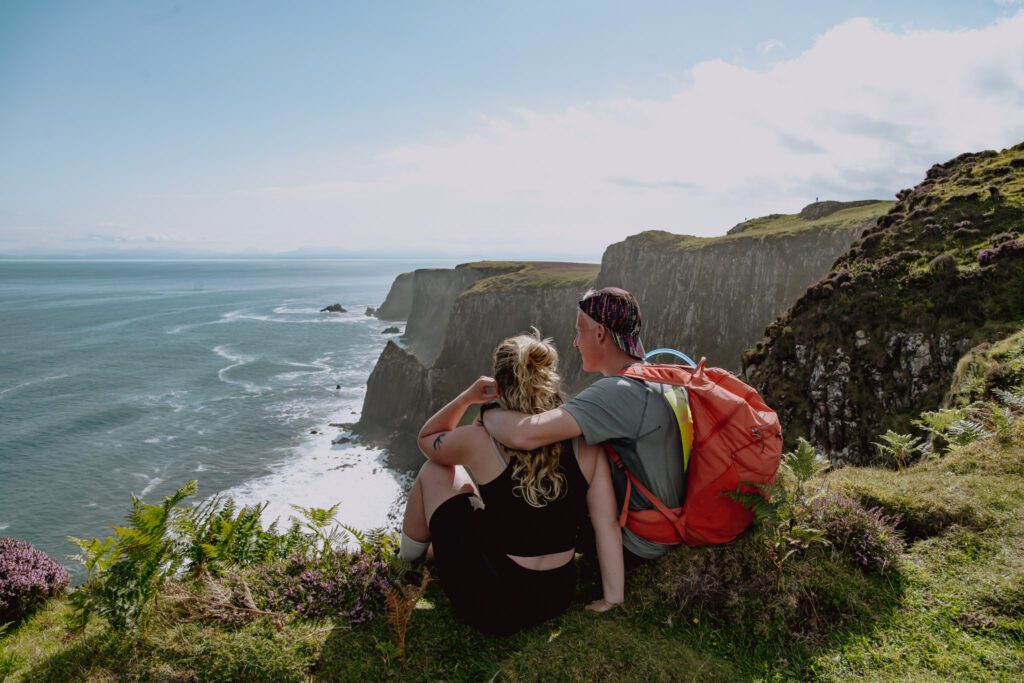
(487,589)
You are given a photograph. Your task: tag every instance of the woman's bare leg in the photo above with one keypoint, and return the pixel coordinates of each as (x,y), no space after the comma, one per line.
(434,485)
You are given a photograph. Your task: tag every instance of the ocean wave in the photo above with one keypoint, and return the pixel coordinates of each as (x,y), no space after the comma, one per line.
(172,399)
(317,367)
(237,360)
(224,318)
(333,319)
(285,309)
(151,482)
(31,382)
(4,525)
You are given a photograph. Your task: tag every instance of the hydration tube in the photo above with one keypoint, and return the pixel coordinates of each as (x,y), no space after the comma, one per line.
(671,352)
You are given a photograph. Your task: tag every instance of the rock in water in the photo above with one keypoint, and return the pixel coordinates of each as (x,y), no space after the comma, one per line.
(391,330)
(333,308)
(371,311)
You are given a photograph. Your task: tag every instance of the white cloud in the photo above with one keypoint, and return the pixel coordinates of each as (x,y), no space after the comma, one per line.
(770,46)
(862,113)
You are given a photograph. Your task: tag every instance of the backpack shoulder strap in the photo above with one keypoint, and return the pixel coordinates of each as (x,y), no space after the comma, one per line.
(678,521)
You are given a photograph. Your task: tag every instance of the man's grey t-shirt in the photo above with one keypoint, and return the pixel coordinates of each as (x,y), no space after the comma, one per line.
(634,418)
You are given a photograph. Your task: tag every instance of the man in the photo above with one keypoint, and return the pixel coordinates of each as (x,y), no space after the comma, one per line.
(628,414)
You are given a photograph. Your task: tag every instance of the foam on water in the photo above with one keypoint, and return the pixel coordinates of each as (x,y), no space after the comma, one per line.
(22,385)
(237,360)
(225,318)
(321,475)
(151,482)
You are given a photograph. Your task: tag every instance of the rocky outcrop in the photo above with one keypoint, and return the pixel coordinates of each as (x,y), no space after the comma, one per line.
(398,303)
(876,341)
(401,396)
(333,308)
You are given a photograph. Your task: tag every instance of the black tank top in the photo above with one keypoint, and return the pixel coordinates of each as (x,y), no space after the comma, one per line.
(514,527)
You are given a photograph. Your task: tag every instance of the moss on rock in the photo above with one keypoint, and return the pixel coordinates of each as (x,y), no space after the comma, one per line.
(877,340)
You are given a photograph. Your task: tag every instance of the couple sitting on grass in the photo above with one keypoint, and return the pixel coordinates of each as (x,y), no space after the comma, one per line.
(505,501)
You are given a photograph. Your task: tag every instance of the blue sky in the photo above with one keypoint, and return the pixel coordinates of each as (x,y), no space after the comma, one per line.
(476,129)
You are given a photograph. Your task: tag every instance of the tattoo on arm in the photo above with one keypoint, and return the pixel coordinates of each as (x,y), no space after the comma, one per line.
(437,442)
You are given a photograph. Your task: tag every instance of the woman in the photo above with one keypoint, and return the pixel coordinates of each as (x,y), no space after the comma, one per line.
(507,562)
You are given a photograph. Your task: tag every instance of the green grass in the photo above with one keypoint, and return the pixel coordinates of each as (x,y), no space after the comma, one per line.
(538,275)
(776,225)
(988,172)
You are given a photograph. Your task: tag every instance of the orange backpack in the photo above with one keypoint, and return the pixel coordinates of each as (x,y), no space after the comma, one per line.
(733,437)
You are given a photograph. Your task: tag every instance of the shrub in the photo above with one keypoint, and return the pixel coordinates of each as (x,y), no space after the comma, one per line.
(27,578)
(348,585)
(128,569)
(867,537)
(735,584)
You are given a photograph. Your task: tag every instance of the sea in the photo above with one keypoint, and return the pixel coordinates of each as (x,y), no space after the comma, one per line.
(134,377)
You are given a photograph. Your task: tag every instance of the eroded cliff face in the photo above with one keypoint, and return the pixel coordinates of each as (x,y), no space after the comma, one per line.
(398,304)
(401,394)
(876,341)
(434,291)
(714,298)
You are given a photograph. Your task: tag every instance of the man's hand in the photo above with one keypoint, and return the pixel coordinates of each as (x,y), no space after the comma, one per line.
(482,390)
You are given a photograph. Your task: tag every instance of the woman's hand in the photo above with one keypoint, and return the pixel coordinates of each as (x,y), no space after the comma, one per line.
(601,605)
(481,391)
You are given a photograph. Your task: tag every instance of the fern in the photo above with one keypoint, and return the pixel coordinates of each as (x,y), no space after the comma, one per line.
(804,462)
(936,424)
(763,500)
(1012,399)
(899,448)
(324,526)
(401,601)
(779,510)
(133,565)
(965,431)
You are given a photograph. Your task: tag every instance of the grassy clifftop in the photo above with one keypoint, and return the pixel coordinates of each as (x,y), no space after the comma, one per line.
(828,215)
(954,610)
(534,274)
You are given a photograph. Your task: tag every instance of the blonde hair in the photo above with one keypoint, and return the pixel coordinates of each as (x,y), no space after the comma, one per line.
(526,371)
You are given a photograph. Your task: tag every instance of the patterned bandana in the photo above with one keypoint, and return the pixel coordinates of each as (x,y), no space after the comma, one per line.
(617,310)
